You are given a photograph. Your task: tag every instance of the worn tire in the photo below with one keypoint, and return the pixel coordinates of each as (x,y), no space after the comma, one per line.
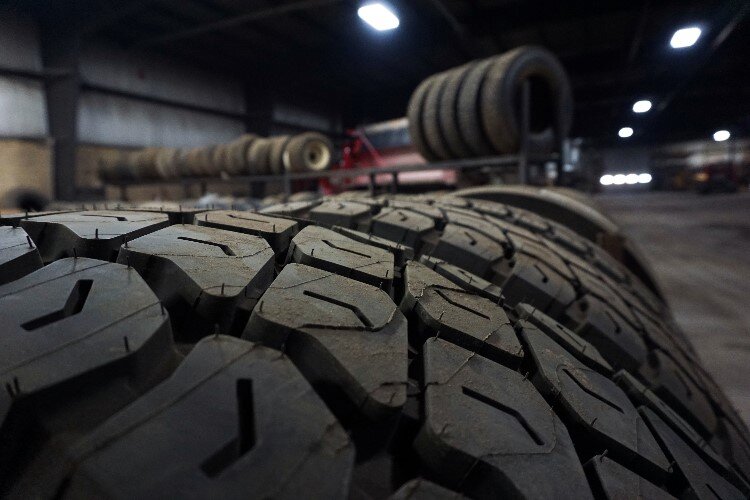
(308,152)
(448,113)
(259,157)
(236,156)
(407,347)
(433,132)
(414,114)
(276,153)
(469,110)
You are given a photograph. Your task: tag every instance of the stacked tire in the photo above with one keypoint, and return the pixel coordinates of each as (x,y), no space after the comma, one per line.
(421,347)
(249,154)
(475,110)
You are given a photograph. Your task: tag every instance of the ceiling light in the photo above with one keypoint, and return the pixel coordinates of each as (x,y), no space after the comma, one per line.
(721,135)
(644,178)
(685,37)
(618,179)
(642,106)
(625,132)
(378,16)
(606,180)
(631,179)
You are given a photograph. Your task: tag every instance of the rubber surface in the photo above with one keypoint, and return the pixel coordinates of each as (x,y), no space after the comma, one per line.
(428,347)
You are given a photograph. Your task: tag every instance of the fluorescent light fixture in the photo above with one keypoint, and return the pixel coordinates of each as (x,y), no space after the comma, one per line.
(644,178)
(641,106)
(685,37)
(378,16)
(721,135)
(618,180)
(606,180)
(625,132)
(631,179)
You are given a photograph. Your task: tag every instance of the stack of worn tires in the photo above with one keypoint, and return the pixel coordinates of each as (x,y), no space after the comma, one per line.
(249,154)
(475,110)
(348,347)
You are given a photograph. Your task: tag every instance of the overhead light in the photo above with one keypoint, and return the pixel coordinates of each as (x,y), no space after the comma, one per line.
(721,135)
(642,106)
(618,179)
(606,180)
(685,37)
(631,179)
(644,178)
(378,16)
(625,132)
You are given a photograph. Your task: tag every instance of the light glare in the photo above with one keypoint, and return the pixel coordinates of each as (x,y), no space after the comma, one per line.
(685,37)
(606,180)
(378,16)
(625,132)
(618,180)
(644,178)
(721,135)
(631,179)
(642,106)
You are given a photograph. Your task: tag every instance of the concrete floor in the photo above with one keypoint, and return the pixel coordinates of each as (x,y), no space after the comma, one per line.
(699,247)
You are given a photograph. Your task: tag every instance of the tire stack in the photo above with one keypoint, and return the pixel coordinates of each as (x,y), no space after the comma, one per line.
(475,110)
(249,154)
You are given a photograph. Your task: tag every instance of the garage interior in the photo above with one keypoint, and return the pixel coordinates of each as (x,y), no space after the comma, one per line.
(145,103)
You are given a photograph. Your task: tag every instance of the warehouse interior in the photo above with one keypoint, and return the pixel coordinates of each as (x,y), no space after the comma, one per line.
(617,129)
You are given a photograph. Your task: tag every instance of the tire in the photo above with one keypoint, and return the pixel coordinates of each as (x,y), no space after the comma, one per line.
(424,346)
(308,152)
(276,154)
(236,157)
(414,115)
(167,163)
(258,157)
(431,120)
(448,113)
(551,99)
(470,111)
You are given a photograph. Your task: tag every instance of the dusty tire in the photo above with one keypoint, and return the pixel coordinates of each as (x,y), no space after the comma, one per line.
(448,113)
(440,341)
(276,153)
(414,113)
(167,163)
(469,109)
(236,156)
(551,99)
(308,152)
(433,133)
(259,157)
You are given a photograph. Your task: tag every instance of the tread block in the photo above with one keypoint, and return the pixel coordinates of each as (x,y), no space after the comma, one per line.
(96,234)
(468,249)
(68,330)
(593,403)
(616,482)
(586,353)
(348,334)
(332,251)
(526,279)
(464,279)
(15,218)
(418,207)
(671,384)
(18,254)
(204,271)
(470,321)
(488,425)
(616,340)
(290,209)
(401,226)
(643,396)
(276,231)
(347,214)
(177,213)
(702,481)
(235,418)
(421,489)
(401,253)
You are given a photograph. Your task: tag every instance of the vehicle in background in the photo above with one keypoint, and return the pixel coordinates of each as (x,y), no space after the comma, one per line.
(719,177)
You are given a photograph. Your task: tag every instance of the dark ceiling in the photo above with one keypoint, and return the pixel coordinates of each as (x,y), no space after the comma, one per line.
(616,52)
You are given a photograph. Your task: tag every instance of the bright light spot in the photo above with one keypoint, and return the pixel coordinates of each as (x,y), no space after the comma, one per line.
(644,178)
(606,180)
(618,180)
(685,37)
(641,106)
(721,135)
(378,16)
(625,132)
(631,179)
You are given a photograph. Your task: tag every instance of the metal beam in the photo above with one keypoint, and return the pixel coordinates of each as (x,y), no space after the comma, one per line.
(239,20)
